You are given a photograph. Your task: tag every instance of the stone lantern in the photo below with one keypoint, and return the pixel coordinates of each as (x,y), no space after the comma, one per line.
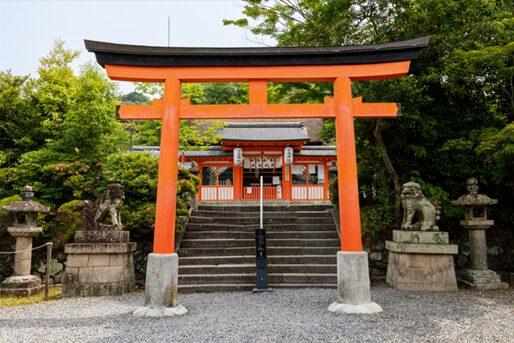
(332,171)
(24,229)
(194,169)
(476,222)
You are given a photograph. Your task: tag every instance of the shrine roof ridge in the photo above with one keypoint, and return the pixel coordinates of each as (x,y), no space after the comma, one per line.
(265,132)
(155,56)
(299,124)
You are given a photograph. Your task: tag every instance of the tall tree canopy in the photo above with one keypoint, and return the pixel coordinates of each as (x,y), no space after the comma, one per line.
(457,103)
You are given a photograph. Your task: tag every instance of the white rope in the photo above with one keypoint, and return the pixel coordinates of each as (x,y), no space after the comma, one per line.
(15,252)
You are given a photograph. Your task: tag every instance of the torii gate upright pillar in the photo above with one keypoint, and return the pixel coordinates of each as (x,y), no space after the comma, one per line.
(353,283)
(161,284)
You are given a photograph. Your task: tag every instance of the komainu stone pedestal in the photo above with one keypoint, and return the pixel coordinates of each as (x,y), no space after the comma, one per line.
(100,263)
(421,261)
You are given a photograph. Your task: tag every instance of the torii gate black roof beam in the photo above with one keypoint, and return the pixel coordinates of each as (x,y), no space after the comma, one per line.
(150,56)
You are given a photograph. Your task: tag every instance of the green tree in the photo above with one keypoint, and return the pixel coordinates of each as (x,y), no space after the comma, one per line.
(55,87)
(457,108)
(89,129)
(20,124)
(135,98)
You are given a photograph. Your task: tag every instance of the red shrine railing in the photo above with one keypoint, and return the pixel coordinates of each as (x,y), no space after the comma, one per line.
(254,193)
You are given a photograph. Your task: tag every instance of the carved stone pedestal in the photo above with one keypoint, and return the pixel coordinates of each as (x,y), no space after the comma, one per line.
(421,261)
(100,263)
(478,276)
(482,279)
(21,286)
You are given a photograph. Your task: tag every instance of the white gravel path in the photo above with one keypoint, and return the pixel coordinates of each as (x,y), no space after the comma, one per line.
(295,315)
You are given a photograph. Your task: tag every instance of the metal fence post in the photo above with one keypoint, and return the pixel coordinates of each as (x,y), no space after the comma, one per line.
(48,263)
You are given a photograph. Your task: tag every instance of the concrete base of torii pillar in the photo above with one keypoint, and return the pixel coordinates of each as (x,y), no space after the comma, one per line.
(353,284)
(161,287)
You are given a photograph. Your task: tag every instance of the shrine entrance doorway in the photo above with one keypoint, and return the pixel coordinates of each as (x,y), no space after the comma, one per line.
(270,168)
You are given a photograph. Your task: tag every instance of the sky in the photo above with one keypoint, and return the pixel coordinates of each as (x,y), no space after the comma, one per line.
(29,28)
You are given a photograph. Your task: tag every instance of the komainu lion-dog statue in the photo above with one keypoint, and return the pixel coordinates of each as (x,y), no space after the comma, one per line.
(414,204)
(109,204)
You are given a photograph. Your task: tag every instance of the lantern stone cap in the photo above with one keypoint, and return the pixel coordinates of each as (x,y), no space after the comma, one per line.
(30,231)
(26,204)
(473,198)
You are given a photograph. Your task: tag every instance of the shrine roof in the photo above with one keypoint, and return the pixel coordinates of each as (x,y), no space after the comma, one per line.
(317,151)
(264,132)
(213,151)
(154,56)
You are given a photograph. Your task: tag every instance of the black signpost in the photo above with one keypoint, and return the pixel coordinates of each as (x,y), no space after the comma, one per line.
(260,253)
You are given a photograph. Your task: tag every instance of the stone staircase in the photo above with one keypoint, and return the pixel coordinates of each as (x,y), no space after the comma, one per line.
(217,252)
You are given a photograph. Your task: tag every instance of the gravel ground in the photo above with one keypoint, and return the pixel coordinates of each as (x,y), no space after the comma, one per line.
(295,315)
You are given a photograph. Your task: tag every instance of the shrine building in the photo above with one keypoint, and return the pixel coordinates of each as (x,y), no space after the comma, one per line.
(279,151)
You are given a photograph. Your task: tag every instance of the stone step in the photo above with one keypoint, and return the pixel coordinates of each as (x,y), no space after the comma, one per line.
(250,268)
(322,220)
(188,252)
(266,208)
(253,227)
(251,234)
(183,289)
(256,220)
(304,278)
(218,249)
(250,259)
(228,242)
(210,288)
(272,214)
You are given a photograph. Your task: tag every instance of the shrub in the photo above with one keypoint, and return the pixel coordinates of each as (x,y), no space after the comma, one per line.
(68,220)
(137,172)
(333,190)
(5,218)
(64,185)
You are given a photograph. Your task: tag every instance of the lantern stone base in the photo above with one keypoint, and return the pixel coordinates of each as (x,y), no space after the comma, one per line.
(161,287)
(21,286)
(421,261)
(482,279)
(353,285)
(98,269)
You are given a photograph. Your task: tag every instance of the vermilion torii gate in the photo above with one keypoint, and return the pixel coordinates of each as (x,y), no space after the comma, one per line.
(257,66)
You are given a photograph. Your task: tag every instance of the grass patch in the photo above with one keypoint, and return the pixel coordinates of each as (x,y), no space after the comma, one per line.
(54,293)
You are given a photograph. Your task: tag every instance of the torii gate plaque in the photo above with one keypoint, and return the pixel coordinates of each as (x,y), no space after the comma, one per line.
(257,66)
